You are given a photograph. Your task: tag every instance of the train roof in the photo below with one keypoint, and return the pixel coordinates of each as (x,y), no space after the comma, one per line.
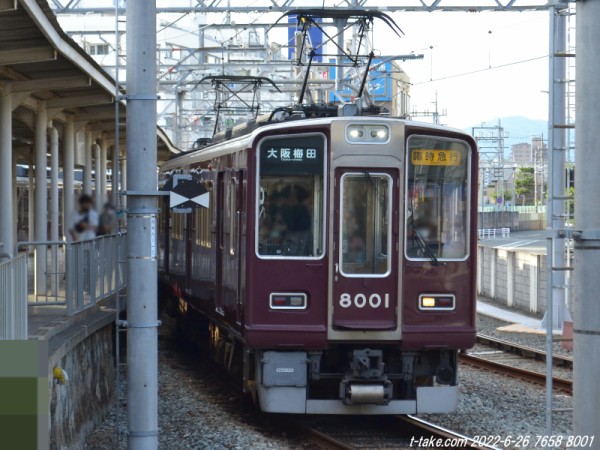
(227,146)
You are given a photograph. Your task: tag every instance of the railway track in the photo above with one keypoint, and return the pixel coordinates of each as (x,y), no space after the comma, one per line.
(398,432)
(490,364)
(523,350)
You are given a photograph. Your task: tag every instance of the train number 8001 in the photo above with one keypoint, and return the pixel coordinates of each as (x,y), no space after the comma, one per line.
(362,300)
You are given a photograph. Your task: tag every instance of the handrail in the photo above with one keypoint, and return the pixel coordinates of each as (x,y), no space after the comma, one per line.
(75,274)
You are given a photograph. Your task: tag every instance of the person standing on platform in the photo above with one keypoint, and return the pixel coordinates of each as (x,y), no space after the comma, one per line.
(107,223)
(85,223)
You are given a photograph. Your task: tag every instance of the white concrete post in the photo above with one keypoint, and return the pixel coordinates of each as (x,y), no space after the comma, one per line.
(87,170)
(115,175)
(68,176)
(54,213)
(510,277)
(41,198)
(103,172)
(6,168)
(97,175)
(31,200)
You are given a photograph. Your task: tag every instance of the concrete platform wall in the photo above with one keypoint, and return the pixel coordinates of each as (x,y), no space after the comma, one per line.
(85,352)
(512,277)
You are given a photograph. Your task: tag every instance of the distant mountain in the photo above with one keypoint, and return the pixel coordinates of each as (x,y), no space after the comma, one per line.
(519,129)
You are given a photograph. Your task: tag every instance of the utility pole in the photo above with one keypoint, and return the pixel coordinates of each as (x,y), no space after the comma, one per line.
(586,307)
(435,114)
(142,341)
(490,142)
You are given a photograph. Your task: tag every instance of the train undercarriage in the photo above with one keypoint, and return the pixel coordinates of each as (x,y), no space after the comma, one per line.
(345,378)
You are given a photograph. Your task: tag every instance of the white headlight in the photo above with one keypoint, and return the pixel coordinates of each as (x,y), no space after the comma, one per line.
(367,134)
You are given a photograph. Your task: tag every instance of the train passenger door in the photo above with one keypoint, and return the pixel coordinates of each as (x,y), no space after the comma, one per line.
(365,278)
(220,204)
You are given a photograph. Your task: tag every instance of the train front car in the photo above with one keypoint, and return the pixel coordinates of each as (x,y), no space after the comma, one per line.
(361,275)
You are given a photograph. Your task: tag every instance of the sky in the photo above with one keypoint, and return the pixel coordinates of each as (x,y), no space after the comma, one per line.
(459,49)
(483,66)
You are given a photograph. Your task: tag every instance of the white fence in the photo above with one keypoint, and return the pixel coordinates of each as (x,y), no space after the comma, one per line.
(516,278)
(13,299)
(492,233)
(77,274)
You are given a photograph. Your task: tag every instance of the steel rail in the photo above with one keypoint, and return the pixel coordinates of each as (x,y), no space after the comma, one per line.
(560,384)
(534,353)
(325,441)
(441,432)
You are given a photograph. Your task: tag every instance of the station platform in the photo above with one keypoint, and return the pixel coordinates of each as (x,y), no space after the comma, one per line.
(82,345)
(63,332)
(520,322)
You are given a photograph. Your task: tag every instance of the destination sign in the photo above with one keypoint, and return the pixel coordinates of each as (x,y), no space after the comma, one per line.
(435,157)
(302,155)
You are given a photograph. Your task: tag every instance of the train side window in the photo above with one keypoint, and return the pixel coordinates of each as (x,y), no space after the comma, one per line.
(365,224)
(203,221)
(233,217)
(437,199)
(290,197)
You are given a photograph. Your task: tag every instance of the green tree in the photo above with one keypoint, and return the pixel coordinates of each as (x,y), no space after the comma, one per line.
(525,184)
(507,196)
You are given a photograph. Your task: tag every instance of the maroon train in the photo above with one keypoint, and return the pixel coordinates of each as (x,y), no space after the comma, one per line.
(334,268)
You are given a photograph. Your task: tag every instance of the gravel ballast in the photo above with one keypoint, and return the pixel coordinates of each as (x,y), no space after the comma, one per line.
(197,410)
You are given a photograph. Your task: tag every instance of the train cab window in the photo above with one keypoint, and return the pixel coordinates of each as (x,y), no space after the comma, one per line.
(365,224)
(290,199)
(437,199)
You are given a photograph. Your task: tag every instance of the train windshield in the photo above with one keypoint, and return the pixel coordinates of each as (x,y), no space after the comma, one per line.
(291,200)
(365,224)
(437,194)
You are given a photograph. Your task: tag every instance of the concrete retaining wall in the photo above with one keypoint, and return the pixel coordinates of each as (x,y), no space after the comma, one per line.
(516,221)
(85,352)
(515,278)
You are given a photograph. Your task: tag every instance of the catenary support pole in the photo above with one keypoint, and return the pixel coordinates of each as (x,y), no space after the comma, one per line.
(142,342)
(68,178)
(6,167)
(586,307)
(41,197)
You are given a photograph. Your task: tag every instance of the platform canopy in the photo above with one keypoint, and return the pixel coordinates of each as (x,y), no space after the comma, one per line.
(40,62)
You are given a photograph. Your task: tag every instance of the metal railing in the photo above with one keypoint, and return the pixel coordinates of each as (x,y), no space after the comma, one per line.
(491,233)
(77,274)
(13,299)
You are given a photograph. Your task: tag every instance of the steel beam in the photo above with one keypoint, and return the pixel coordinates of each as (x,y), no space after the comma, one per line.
(86,100)
(269,6)
(8,5)
(27,55)
(51,84)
